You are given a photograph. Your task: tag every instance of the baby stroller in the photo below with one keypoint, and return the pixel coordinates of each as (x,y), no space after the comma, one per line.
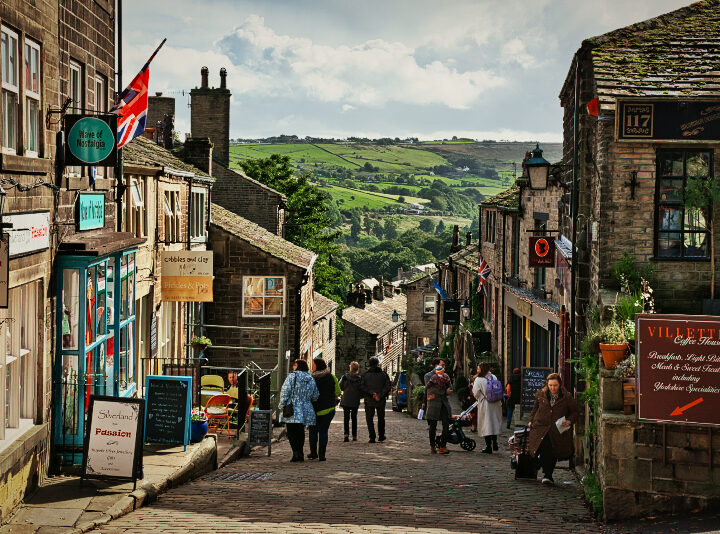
(521,462)
(457,435)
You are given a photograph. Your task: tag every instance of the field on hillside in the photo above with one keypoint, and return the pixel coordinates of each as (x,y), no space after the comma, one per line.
(355,198)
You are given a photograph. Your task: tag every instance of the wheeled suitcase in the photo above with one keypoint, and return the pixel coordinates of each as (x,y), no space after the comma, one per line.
(525,467)
(523,464)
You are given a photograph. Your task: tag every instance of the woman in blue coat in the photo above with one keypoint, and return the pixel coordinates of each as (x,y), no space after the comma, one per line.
(301,391)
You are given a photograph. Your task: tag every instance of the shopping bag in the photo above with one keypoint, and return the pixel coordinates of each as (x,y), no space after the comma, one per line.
(421,413)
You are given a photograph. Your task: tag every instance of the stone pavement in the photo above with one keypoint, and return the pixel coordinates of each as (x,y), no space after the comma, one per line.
(395,486)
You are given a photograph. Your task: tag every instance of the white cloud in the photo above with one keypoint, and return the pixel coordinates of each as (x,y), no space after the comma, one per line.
(373,73)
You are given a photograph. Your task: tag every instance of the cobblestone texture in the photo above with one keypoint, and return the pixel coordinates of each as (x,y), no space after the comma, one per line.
(395,486)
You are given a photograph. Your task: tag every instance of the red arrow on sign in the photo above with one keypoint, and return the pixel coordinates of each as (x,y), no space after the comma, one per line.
(679,410)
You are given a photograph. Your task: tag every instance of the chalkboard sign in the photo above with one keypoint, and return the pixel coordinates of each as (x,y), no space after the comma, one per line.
(113,441)
(168,407)
(260,432)
(533,379)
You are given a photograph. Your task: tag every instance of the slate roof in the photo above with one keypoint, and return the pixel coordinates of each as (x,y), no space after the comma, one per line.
(508,199)
(674,55)
(467,257)
(376,318)
(260,238)
(417,277)
(323,305)
(143,152)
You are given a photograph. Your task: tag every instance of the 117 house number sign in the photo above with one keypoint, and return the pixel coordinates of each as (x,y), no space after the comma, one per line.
(678,369)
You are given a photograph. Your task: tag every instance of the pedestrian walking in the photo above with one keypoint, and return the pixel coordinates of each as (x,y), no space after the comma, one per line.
(431,372)
(375,386)
(513,389)
(489,408)
(554,411)
(296,410)
(350,402)
(329,389)
(438,409)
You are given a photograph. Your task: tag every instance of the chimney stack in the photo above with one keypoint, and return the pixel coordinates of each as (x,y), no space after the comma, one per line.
(198,151)
(223,78)
(455,239)
(468,238)
(204,77)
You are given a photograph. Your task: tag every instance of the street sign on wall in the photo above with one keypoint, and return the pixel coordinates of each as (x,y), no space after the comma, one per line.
(187,276)
(657,119)
(541,251)
(91,140)
(678,369)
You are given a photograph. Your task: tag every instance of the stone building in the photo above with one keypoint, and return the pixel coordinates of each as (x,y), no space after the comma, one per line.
(626,174)
(422,312)
(324,329)
(370,330)
(263,284)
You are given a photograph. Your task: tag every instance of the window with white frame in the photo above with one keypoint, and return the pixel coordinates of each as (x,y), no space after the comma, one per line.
(263,296)
(33,126)
(100,106)
(197,214)
(135,206)
(172,216)
(18,377)
(9,64)
(77,103)
(168,321)
(429,304)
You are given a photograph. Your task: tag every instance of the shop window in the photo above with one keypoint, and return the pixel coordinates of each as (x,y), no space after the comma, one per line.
(172,216)
(168,322)
(539,356)
(18,375)
(77,104)
(9,64)
(263,296)
(680,232)
(429,304)
(422,341)
(135,207)
(197,215)
(490,222)
(33,126)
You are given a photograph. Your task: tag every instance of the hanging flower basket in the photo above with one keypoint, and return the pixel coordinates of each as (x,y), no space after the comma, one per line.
(613,354)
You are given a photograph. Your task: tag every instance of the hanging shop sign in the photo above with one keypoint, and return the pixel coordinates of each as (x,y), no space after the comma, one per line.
(30,232)
(642,119)
(91,140)
(113,445)
(678,369)
(4,276)
(541,251)
(187,276)
(90,211)
(451,312)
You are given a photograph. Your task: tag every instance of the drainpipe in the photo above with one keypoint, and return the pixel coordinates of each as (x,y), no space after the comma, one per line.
(501,346)
(188,327)
(575,207)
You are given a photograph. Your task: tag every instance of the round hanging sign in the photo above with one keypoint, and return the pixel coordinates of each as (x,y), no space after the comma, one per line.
(91,140)
(542,247)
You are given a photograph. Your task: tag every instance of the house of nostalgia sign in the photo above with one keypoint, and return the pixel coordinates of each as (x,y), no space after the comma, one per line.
(678,373)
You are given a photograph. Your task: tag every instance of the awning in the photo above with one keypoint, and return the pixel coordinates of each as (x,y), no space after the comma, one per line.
(98,243)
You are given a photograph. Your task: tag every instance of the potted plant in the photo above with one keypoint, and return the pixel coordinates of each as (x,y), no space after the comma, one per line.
(626,371)
(198,425)
(614,343)
(200,343)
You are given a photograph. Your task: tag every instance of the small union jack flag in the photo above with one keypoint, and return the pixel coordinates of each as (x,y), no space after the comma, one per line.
(483,273)
(132,105)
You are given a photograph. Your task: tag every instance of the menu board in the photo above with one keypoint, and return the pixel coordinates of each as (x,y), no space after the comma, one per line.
(678,368)
(260,432)
(113,443)
(168,407)
(533,379)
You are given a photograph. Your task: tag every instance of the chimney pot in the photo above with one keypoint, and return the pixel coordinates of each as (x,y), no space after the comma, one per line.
(158,93)
(223,78)
(204,77)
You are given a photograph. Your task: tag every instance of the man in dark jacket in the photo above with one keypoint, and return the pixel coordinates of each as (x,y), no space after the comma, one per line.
(375,386)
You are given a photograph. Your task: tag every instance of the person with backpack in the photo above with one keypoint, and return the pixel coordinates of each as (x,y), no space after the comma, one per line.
(350,386)
(488,391)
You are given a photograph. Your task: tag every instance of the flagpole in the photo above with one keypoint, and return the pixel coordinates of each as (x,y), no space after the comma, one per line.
(154,53)
(119,190)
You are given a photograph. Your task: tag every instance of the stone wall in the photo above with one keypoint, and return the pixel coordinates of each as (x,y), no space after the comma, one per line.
(418,323)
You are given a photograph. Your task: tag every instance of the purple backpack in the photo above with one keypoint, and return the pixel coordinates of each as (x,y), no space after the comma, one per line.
(494,391)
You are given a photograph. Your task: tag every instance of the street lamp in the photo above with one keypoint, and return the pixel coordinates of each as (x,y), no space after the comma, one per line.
(538,169)
(465,310)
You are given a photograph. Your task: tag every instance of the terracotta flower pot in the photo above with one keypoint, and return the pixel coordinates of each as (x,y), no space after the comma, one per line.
(613,354)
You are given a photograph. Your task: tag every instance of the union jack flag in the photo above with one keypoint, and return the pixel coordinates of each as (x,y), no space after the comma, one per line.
(132,105)
(483,273)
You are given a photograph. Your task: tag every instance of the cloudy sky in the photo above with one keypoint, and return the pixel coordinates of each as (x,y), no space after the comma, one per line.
(485,69)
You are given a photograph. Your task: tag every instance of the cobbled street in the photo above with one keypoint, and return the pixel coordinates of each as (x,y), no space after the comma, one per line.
(396,486)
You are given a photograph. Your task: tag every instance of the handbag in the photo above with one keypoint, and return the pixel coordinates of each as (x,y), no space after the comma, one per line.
(288,410)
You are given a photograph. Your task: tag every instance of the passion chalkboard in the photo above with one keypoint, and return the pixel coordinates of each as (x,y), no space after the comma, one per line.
(168,409)
(260,432)
(533,379)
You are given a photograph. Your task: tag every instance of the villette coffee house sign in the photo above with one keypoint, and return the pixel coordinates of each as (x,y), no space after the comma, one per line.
(678,369)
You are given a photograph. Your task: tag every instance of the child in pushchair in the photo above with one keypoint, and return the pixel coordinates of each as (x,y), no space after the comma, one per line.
(457,435)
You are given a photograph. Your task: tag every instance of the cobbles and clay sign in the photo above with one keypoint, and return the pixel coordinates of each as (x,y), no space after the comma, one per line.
(678,373)
(187,276)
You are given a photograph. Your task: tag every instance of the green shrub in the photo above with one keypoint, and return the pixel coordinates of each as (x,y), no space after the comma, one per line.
(593,494)
(418,394)
(629,276)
